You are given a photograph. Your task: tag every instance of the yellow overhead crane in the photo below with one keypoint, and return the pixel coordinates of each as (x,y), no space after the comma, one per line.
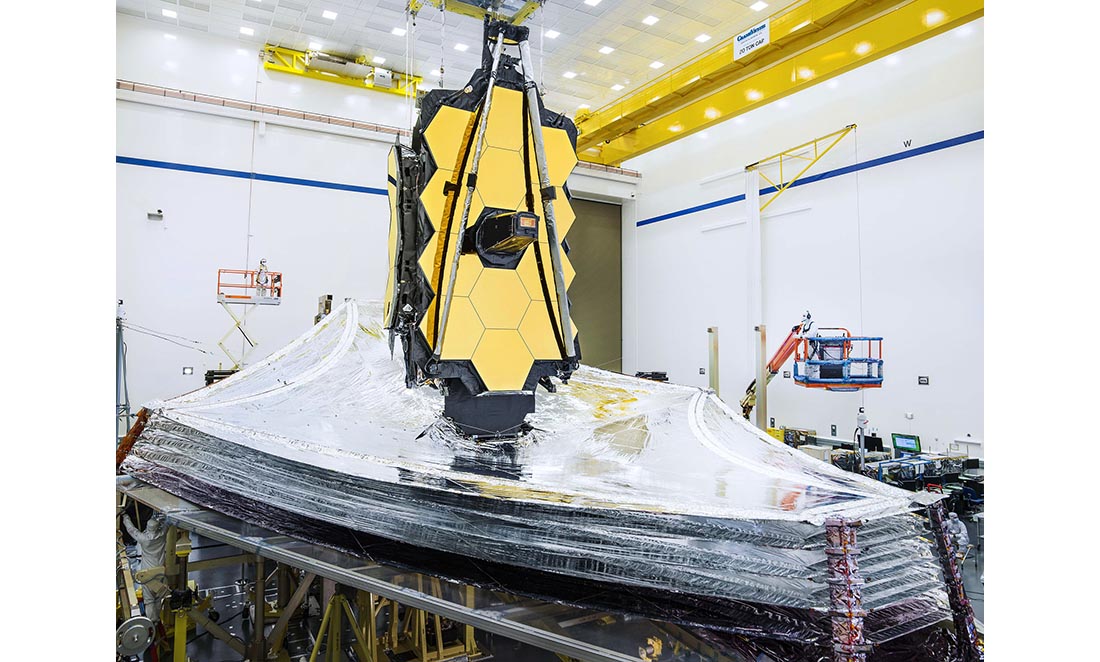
(509,11)
(354,71)
(810,42)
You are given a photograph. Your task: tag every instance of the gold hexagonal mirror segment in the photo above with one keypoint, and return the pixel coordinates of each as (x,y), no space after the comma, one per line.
(463,331)
(445,135)
(506,121)
(502,360)
(500,298)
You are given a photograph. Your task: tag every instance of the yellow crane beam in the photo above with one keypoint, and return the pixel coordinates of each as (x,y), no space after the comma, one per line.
(810,43)
(473,10)
(291,61)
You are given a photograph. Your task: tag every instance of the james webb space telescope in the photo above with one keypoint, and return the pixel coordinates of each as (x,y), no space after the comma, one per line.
(480,271)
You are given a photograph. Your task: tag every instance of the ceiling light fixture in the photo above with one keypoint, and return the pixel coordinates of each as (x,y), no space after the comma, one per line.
(315,46)
(863,48)
(607,50)
(400,32)
(675,128)
(805,72)
(616,87)
(552,34)
(378,60)
(329,14)
(591,3)
(434,72)
(758,6)
(703,38)
(168,13)
(754,95)
(712,113)
(570,74)
(461,47)
(934,17)
(583,106)
(248,32)
(650,20)
(656,64)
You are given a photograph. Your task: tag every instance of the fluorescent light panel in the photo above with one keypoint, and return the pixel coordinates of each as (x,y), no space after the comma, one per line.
(329,14)
(400,32)
(607,50)
(247,31)
(461,47)
(552,34)
(616,87)
(703,38)
(378,60)
(315,46)
(656,64)
(168,13)
(591,3)
(650,20)
(758,6)
(570,74)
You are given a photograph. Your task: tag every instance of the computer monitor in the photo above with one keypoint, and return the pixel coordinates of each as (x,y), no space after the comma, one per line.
(872,443)
(906,443)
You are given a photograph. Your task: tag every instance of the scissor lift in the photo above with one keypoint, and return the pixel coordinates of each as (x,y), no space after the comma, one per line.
(249,288)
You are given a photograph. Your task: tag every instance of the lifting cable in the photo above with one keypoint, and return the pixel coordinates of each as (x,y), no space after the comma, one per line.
(410,99)
(859,254)
(442,40)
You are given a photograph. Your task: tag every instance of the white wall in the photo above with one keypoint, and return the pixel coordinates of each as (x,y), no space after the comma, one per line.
(895,250)
(325,241)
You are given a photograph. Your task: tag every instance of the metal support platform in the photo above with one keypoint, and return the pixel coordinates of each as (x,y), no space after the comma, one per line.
(567,631)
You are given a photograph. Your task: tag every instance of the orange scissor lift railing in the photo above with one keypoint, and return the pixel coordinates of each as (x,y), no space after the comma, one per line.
(250,288)
(840,362)
(246,286)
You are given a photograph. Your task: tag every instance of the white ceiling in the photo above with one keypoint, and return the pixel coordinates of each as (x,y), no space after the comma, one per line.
(363,27)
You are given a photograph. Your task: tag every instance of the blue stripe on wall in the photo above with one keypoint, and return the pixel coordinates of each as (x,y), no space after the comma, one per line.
(907,154)
(240,174)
